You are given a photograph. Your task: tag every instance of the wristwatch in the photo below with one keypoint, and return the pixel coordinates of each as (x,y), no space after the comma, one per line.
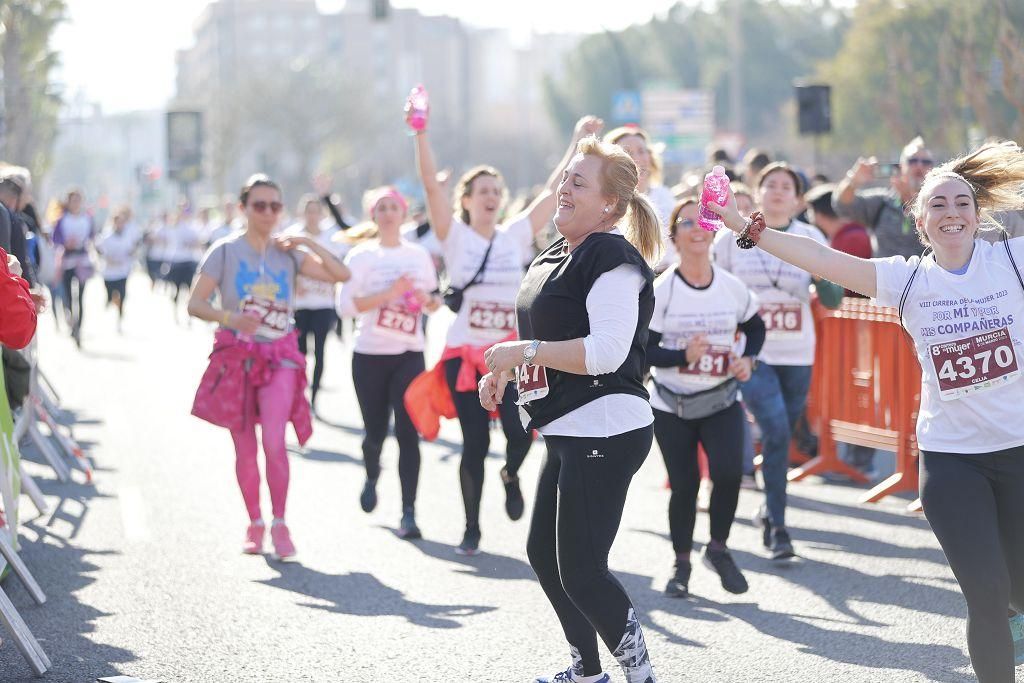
(531,351)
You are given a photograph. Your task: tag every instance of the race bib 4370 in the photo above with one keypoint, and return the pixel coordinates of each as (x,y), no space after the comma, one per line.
(972,364)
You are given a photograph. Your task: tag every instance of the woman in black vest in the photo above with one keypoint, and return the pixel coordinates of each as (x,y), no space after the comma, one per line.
(583,313)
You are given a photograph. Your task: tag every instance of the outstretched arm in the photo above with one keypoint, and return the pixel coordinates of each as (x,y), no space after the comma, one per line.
(807,254)
(439,210)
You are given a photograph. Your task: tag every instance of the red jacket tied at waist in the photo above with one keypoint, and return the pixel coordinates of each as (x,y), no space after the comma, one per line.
(227,392)
(17,310)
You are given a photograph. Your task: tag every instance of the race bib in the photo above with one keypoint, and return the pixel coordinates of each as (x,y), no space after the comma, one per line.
(710,368)
(531,383)
(972,364)
(397,322)
(490,321)
(273,315)
(783,320)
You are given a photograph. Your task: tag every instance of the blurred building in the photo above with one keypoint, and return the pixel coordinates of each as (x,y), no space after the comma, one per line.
(486,101)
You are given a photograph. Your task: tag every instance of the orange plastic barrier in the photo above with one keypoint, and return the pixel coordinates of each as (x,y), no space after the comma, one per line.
(866,391)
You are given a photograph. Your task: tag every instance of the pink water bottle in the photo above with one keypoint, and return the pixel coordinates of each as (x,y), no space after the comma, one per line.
(412,302)
(716,189)
(416,108)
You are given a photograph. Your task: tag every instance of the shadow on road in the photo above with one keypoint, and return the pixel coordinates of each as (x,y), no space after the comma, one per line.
(364,595)
(320,455)
(485,565)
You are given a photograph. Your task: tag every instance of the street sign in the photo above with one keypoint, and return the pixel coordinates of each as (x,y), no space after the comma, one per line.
(626,107)
(684,120)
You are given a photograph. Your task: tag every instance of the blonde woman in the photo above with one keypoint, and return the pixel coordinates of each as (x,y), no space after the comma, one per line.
(583,313)
(963,305)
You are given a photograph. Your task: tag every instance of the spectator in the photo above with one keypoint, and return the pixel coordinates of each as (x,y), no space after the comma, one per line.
(13,227)
(883,210)
(753,163)
(843,235)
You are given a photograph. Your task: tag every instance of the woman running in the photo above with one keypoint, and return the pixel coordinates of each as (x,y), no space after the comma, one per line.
(183,245)
(392,282)
(118,247)
(776,392)
(484,260)
(74,234)
(963,305)
(256,372)
(699,308)
(314,300)
(583,311)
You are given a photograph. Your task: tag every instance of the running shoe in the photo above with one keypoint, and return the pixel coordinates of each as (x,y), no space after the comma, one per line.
(284,549)
(368,498)
(470,543)
(566,677)
(407,529)
(762,522)
(514,504)
(679,585)
(722,563)
(781,547)
(254,538)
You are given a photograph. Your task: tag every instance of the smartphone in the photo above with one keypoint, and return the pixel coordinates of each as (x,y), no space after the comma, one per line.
(886,170)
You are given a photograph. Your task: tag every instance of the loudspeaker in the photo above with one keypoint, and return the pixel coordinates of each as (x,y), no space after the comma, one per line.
(381,9)
(814,109)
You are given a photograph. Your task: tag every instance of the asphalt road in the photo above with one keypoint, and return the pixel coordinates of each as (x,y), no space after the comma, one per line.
(145,577)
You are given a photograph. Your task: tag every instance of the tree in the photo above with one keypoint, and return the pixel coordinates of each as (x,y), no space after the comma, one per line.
(30,103)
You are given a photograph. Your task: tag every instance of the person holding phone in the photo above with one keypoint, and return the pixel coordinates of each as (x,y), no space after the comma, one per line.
(963,305)
(884,210)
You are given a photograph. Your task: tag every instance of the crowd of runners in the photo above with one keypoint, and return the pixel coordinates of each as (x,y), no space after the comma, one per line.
(633,325)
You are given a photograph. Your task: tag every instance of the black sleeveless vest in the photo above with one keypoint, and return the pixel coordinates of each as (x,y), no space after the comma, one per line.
(552,306)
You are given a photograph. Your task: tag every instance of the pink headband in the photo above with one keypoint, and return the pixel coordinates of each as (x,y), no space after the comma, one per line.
(384,193)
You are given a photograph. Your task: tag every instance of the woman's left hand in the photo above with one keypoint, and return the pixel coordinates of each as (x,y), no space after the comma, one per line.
(491,388)
(289,242)
(729,213)
(741,367)
(506,356)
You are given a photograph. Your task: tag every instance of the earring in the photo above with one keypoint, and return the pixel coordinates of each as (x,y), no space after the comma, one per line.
(606,209)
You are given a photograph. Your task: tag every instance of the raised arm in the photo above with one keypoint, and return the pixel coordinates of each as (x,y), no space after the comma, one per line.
(807,254)
(439,208)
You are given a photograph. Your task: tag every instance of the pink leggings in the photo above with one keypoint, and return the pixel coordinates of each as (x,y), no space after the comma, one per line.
(274,401)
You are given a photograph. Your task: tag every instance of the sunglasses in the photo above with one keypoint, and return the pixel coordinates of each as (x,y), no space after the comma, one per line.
(261,206)
(916,161)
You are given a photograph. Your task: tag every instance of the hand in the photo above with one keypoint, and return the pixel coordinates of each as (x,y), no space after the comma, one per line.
(422,296)
(322,184)
(696,348)
(491,388)
(14,265)
(863,171)
(399,287)
(588,125)
(40,300)
(741,367)
(506,356)
(729,213)
(246,324)
(289,242)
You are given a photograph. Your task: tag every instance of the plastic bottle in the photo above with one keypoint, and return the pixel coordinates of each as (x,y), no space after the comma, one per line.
(716,189)
(416,108)
(412,302)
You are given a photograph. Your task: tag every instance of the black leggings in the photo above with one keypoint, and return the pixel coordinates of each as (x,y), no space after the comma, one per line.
(721,435)
(476,439)
(380,383)
(319,321)
(73,301)
(975,505)
(580,496)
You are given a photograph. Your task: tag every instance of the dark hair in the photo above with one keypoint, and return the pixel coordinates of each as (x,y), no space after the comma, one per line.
(798,182)
(685,202)
(819,198)
(11,186)
(719,155)
(254,181)
(755,159)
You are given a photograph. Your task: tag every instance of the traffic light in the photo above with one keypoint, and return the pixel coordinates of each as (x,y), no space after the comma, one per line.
(381,9)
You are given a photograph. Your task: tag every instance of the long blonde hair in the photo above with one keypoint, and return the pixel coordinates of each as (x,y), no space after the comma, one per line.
(995,174)
(618,180)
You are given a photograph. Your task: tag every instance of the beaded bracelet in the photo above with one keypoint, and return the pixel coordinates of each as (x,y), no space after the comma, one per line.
(751,233)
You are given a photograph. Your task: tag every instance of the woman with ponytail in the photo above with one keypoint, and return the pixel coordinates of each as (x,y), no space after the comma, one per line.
(583,312)
(963,305)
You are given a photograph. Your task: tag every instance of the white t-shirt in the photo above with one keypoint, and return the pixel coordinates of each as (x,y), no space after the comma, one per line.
(183,243)
(488,309)
(681,312)
(118,249)
(784,291)
(967,332)
(313,294)
(390,329)
(664,201)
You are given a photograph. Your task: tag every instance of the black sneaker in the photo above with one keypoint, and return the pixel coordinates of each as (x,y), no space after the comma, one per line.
(408,529)
(679,585)
(470,543)
(781,547)
(722,563)
(368,498)
(514,504)
(762,522)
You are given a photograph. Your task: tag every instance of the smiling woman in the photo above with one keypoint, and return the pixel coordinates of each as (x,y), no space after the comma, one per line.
(972,448)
